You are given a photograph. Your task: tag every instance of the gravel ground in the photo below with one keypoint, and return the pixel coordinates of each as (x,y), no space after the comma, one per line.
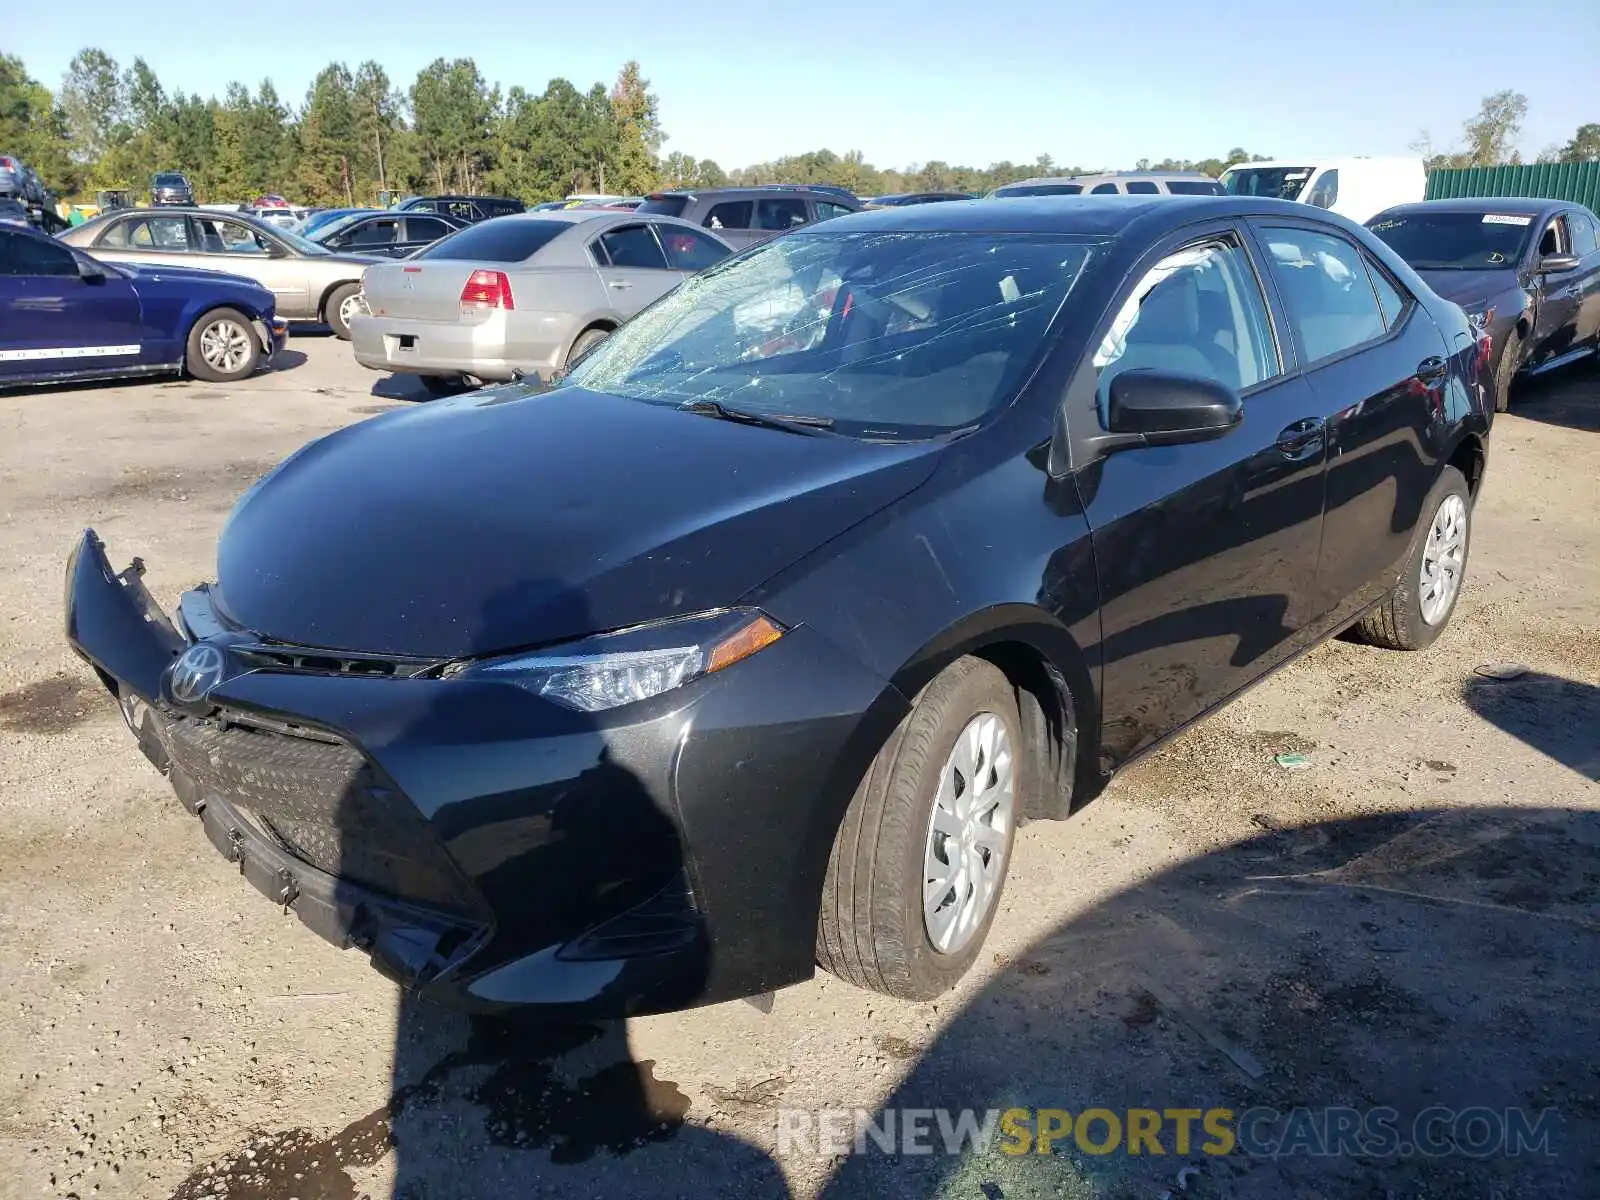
(1409,921)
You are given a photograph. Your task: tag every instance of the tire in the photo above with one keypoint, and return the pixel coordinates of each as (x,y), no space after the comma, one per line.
(587,341)
(871,930)
(343,303)
(440,386)
(1506,372)
(1399,623)
(222,347)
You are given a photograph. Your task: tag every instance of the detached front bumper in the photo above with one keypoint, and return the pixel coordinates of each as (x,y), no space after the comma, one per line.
(487,847)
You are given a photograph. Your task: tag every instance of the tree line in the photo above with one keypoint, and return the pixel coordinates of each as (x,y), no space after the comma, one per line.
(357,134)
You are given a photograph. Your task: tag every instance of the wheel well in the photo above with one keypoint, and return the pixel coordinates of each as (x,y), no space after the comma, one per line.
(1049,725)
(1522,327)
(322,303)
(606,326)
(1469,459)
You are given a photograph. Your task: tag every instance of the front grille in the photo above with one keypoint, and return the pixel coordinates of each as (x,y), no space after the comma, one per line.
(322,801)
(303,660)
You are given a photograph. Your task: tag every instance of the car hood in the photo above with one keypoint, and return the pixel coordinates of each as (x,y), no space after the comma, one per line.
(509,518)
(1470,288)
(154,273)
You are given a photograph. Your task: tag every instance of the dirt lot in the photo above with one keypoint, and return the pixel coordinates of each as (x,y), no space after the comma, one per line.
(1408,922)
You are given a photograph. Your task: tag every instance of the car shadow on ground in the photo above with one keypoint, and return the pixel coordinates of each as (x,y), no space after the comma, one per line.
(1523,707)
(288,359)
(1420,981)
(401,387)
(1569,397)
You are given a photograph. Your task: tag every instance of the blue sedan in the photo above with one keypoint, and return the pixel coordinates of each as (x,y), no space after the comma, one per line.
(64,315)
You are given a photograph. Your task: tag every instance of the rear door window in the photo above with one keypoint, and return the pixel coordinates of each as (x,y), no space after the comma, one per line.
(498,241)
(780,212)
(633,246)
(149,233)
(1143,187)
(730,214)
(1325,286)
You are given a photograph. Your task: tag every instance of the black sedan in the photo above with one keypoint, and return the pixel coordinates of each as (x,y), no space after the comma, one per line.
(748,644)
(392,234)
(1526,270)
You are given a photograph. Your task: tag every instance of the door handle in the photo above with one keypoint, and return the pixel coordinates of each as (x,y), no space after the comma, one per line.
(1432,369)
(621,283)
(1302,437)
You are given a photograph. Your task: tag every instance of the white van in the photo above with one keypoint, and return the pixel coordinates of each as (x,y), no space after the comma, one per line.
(1358,188)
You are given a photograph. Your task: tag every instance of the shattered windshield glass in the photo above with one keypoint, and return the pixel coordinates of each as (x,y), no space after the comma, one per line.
(896,335)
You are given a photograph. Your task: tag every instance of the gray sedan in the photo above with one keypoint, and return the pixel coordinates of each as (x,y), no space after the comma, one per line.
(527,293)
(309,282)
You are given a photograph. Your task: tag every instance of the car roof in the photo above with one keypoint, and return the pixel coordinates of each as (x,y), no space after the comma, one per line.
(1094,216)
(1511,206)
(754,189)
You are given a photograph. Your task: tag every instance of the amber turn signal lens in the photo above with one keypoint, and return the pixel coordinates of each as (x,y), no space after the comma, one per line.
(743,642)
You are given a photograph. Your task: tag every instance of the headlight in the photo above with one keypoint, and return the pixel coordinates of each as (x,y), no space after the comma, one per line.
(612,669)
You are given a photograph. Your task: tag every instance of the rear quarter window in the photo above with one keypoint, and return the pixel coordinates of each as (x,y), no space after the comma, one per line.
(497,241)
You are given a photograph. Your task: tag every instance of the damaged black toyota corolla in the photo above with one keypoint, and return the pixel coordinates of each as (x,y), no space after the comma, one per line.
(747,646)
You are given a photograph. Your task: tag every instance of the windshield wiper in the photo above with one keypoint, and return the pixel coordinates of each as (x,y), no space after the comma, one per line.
(807,425)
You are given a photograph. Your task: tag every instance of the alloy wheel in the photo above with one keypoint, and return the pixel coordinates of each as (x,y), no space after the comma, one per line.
(225,345)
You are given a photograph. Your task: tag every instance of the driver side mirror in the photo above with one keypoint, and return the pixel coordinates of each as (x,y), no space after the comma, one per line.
(1559,264)
(276,251)
(90,271)
(1166,408)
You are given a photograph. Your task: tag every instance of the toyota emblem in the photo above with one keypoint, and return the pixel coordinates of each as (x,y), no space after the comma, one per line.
(196,673)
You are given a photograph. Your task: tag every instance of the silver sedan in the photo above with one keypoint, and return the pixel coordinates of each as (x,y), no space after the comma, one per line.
(308,282)
(527,293)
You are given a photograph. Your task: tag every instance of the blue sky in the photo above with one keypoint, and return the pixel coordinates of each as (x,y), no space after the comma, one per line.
(1099,85)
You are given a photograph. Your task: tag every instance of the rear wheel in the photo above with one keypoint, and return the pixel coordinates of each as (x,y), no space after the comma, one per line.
(587,341)
(1506,371)
(914,879)
(222,347)
(344,303)
(1414,615)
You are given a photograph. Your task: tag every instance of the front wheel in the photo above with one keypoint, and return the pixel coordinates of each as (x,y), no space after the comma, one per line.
(1414,615)
(344,304)
(222,347)
(918,864)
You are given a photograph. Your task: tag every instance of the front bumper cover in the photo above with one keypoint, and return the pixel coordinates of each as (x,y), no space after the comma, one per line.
(670,856)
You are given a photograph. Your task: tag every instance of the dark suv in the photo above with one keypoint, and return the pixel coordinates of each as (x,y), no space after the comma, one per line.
(742,216)
(470,209)
(170,187)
